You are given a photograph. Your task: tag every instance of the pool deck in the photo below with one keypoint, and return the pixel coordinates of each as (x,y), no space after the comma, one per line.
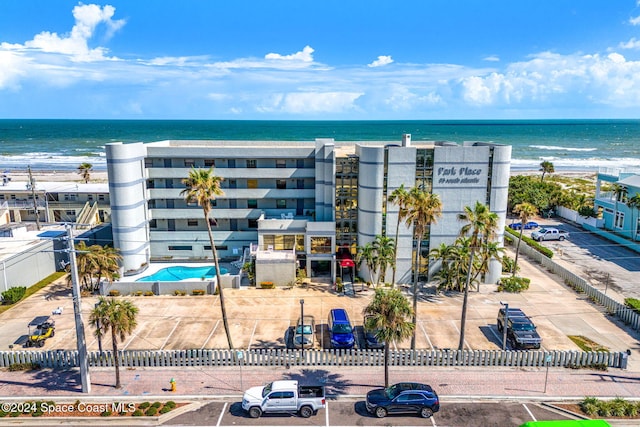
(154,267)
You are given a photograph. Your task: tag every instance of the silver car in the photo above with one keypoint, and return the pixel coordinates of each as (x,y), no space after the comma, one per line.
(305,332)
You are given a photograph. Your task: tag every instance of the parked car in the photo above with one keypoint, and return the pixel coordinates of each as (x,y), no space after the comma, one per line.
(304,333)
(402,398)
(285,396)
(340,329)
(531,225)
(370,336)
(521,331)
(549,234)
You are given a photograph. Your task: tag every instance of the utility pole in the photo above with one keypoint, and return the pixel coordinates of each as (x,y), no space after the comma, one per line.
(83,358)
(32,187)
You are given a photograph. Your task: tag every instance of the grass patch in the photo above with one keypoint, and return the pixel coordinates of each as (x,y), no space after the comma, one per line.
(35,288)
(586,344)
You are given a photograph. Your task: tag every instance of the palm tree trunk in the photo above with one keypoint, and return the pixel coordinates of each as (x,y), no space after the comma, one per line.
(515,263)
(386,364)
(219,284)
(116,357)
(463,319)
(416,274)
(395,252)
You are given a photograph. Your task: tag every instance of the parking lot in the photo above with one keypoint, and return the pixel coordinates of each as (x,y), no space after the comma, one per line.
(262,318)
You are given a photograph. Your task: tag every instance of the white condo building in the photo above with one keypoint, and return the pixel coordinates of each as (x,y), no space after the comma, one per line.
(312,199)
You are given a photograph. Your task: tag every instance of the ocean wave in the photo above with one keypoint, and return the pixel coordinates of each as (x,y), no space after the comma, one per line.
(50,161)
(558,148)
(577,164)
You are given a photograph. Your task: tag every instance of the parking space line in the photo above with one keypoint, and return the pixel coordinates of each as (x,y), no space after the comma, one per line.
(530,414)
(326,414)
(457,329)
(255,325)
(426,335)
(169,336)
(224,408)
(433,420)
(211,334)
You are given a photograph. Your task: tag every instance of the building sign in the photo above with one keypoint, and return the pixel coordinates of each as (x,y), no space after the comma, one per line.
(460,175)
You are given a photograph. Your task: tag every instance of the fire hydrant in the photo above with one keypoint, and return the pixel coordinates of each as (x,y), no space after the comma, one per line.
(173,384)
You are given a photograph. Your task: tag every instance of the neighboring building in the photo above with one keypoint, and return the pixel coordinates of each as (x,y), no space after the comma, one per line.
(56,202)
(620,217)
(301,197)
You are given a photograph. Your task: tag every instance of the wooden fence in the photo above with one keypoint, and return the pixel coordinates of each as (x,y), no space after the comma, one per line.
(354,357)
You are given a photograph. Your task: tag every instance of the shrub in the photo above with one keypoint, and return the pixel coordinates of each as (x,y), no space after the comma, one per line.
(513,284)
(31,366)
(589,405)
(137,293)
(156,405)
(137,413)
(105,413)
(178,292)
(171,404)
(3,413)
(165,409)
(114,293)
(13,295)
(151,411)
(149,294)
(144,405)
(633,304)
(586,344)
(198,292)
(267,285)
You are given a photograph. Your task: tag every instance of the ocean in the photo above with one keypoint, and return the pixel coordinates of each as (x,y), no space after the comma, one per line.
(569,144)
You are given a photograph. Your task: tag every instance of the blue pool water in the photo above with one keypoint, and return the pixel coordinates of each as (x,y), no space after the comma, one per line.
(180,272)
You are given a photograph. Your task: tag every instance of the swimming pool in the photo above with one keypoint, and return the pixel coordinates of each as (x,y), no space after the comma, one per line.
(180,272)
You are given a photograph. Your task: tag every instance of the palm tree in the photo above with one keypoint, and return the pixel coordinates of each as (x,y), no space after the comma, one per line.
(634,204)
(546,167)
(88,263)
(85,170)
(423,208)
(367,254)
(202,187)
(385,248)
(108,264)
(525,211)
(117,316)
(481,227)
(448,274)
(388,314)
(399,196)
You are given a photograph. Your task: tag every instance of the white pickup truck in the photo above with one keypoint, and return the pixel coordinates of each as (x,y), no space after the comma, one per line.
(283,396)
(548,233)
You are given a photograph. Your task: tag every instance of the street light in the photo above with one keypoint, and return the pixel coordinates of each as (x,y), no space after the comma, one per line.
(302,325)
(505,324)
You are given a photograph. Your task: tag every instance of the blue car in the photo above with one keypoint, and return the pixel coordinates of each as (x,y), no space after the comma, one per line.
(528,226)
(403,398)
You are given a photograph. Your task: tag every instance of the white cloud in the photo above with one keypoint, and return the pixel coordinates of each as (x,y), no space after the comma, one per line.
(310,102)
(491,58)
(633,43)
(305,55)
(634,21)
(381,61)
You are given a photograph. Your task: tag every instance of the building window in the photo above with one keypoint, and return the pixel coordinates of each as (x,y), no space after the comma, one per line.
(101,197)
(321,245)
(153,223)
(281,203)
(71,213)
(209,163)
(253,223)
(251,164)
(232,183)
(90,197)
(180,248)
(281,163)
(218,248)
(619,221)
(252,183)
(70,197)
(281,184)
(189,163)
(148,163)
(252,204)
(192,222)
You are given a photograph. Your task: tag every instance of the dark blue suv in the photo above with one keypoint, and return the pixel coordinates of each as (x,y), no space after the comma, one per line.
(403,398)
(340,329)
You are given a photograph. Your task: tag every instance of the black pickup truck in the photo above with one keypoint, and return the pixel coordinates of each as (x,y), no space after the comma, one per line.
(521,331)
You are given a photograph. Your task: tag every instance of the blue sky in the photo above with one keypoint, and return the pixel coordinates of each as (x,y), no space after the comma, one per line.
(322,59)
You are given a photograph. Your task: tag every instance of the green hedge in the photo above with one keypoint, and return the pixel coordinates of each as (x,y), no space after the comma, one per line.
(529,241)
(633,304)
(513,284)
(13,295)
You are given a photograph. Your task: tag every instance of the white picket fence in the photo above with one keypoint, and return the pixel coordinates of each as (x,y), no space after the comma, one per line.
(354,357)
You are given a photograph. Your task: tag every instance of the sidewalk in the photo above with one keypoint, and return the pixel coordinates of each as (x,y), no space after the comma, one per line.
(207,382)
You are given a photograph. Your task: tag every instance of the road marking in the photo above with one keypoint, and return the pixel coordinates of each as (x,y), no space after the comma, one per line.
(169,336)
(433,421)
(530,414)
(457,329)
(211,334)
(426,335)
(255,325)
(224,408)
